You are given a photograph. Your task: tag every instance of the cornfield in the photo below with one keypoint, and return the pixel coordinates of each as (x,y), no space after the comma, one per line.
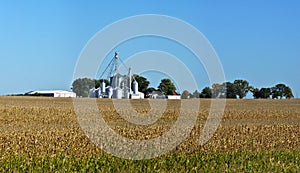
(43,135)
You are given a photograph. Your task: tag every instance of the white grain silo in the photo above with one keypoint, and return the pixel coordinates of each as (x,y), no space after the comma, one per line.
(109,91)
(117,93)
(135,87)
(92,93)
(102,86)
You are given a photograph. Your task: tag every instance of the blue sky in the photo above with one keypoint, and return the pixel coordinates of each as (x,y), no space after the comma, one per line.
(41,40)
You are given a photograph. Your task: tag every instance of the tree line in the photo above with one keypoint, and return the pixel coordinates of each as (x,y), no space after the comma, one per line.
(236,89)
(239,89)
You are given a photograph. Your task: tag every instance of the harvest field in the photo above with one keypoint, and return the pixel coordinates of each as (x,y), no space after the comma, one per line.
(43,135)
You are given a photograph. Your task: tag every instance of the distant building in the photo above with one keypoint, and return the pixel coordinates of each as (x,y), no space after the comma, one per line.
(52,93)
(160,95)
(173,97)
(157,95)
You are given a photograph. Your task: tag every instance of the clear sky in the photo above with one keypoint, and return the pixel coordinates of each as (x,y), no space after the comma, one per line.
(40,41)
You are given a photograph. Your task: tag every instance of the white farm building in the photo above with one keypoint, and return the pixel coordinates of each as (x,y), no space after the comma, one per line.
(52,93)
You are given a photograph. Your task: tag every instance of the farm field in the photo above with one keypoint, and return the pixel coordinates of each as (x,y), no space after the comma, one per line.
(40,134)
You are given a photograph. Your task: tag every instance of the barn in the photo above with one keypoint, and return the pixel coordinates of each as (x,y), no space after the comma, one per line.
(52,93)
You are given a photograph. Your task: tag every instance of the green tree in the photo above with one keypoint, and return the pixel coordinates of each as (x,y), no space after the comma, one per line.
(196,94)
(256,93)
(167,87)
(218,91)
(288,93)
(206,93)
(281,90)
(185,94)
(143,83)
(265,93)
(278,91)
(242,87)
(225,90)
(230,90)
(82,86)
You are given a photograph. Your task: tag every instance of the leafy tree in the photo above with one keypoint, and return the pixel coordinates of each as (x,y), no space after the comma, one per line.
(196,94)
(242,87)
(256,93)
(288,92)
(225,90)
(97,83)
(278,91)
(230,90)
(143,83)
(265,93)
(185,94)
(281,90)
(206,93)
(167,87)
(82,86)
(218,91)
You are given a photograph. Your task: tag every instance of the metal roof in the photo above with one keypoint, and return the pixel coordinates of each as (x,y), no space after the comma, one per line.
(49,91)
